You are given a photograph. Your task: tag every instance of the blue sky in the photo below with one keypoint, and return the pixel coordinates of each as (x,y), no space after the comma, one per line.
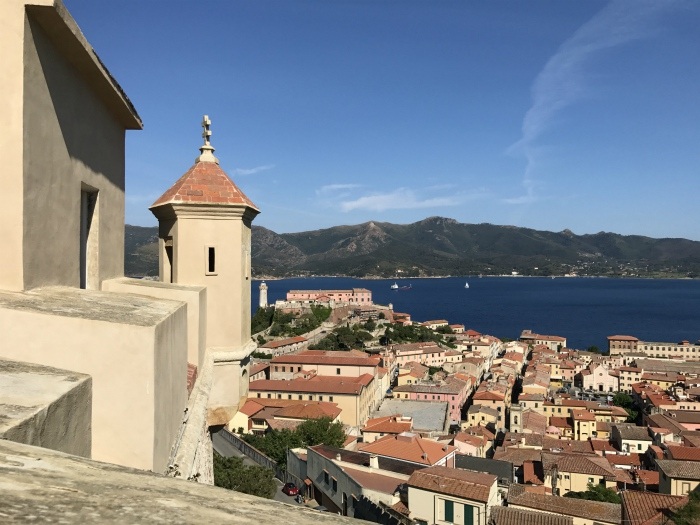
(543,114)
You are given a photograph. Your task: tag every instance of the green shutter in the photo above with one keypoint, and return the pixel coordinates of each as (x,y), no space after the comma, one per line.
(449,510)
(468,515)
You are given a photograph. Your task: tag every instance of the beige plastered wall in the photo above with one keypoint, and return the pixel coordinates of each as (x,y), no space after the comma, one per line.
(12,26)
(46,407)
(139,376)
(70,141)
(194,296)
(228,289)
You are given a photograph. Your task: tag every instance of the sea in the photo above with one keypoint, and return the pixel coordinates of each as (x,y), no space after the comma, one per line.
(585,310)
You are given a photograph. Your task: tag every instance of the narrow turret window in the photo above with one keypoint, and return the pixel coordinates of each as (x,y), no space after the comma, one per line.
(210,262)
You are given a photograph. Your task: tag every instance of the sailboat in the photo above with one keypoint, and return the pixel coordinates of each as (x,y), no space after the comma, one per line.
(466,285)
(394,286)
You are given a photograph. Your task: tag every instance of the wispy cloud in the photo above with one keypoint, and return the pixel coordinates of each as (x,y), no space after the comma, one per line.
(252,171)
(333,188)
(403,199)
(563,81)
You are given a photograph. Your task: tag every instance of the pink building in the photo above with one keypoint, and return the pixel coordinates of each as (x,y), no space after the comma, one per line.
(453,391)
(361,296)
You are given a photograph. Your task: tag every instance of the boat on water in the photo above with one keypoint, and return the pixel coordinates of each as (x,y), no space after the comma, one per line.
(466,285)
(394,286)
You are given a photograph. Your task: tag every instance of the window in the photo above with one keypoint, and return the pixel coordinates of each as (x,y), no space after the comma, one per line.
(289,396)
(258,394)
(449,510)
(335,484)
(320,398)
(590,480)
(330,398)
(337,371)
(269,396)
(210,254)
(326,477)
(311,398)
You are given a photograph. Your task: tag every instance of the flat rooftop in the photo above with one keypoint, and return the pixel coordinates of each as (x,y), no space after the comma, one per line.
(428,416)
(27,389)
(91,304)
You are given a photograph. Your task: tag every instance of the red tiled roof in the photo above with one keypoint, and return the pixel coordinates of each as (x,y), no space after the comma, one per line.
(284,342)
(647,508)
(204,183)
(512,516)
(387,425)
(683,453)
(327,358)
(622,338)
(409,448)
(581,508)
(475,486)
(318,384)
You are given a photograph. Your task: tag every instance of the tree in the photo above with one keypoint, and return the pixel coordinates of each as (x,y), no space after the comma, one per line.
(594,349)
(596,493)
(688,514)
(231,473)
(311,432)
(322,431)
(262,319)
(625,401)
(275,444)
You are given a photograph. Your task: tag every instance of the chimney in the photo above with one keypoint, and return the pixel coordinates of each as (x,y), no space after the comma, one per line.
(338,457)
(374,461)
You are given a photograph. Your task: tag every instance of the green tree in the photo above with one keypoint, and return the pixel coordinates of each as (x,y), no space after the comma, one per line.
(625,401)
(231,473)
(262,319)
(594,349)
(688,514)
(322,431)
(596,493)
(275,444)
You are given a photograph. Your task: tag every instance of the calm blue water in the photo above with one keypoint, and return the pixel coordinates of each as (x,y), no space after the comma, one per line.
(584,310)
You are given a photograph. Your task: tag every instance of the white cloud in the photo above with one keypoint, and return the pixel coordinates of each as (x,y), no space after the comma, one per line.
(562,82)
(333,188)
(404,199)
(252,171)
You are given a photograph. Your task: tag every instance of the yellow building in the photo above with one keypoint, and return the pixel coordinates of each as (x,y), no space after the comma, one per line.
(678,478)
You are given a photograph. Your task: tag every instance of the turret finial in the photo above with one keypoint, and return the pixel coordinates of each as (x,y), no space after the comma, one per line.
(207,150)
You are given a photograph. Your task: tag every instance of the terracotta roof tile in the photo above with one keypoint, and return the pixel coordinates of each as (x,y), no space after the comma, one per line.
(512,516)
(409,448)
(578,508)
(679,469)
(648,508)
(204,183)
(683,453)
(467,484)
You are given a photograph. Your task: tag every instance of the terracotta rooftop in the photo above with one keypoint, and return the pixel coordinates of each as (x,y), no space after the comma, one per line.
(465,484)
(648,508)
(374,480)
(592,465)
(679,469)
(683,453)
(327,358)
(284,342)
(578,508)
(317,384)
(409,447)
(512,516)
(204,183)
(388,425)
(622,338)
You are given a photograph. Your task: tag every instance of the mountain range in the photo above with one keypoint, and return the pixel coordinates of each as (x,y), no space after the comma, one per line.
(439,246)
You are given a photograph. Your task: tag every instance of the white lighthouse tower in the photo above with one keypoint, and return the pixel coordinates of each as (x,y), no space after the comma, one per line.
(263,295)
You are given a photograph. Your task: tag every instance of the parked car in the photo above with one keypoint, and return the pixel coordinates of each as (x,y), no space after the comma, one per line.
(290,489)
